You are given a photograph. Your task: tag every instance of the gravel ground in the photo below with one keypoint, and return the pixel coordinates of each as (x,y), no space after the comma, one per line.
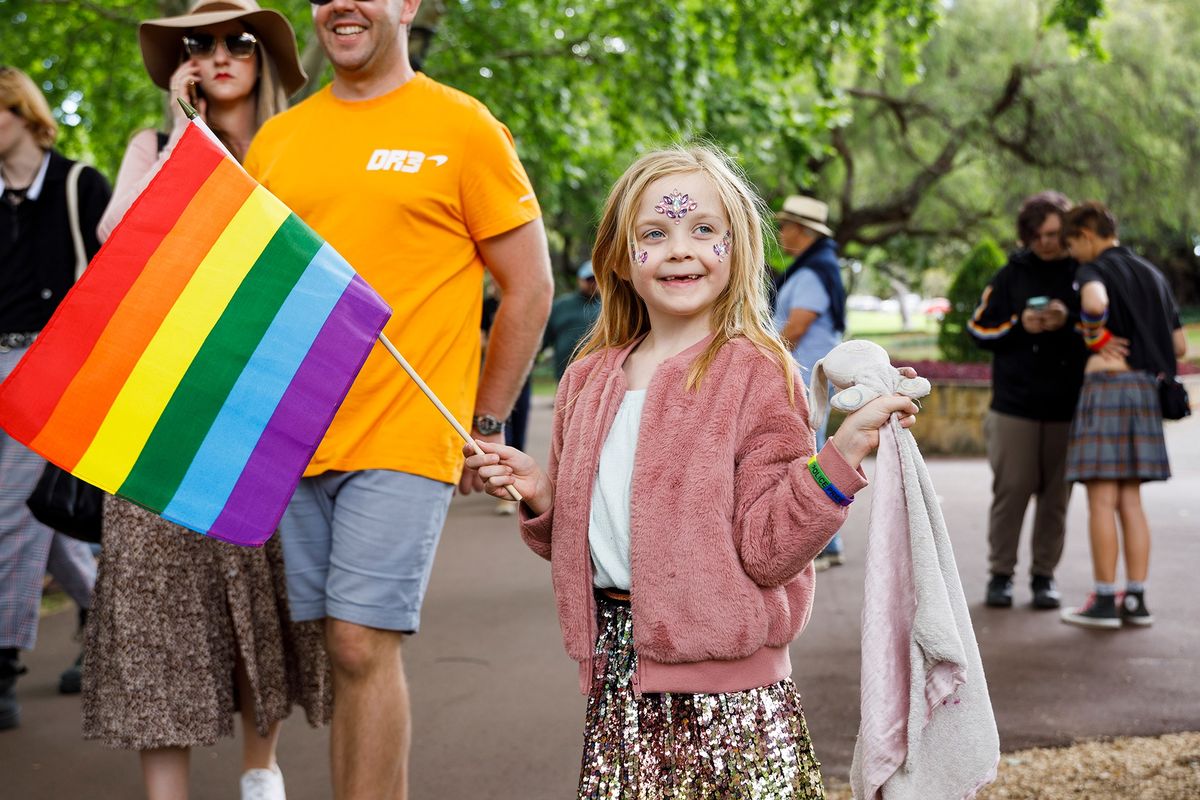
(1149,768)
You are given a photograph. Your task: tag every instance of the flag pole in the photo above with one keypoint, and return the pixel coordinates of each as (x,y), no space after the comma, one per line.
(433,398)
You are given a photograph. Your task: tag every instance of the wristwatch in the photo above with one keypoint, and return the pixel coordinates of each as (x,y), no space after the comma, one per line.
(487,424)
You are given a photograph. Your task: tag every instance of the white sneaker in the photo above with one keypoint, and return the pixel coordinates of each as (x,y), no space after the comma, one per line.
(263,784)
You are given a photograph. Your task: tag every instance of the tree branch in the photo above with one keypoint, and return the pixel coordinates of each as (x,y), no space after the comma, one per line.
(843,150)
(902,108)
(893,217)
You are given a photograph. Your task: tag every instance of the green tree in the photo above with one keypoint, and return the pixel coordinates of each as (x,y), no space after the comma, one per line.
(1007,104)
(954,341)
(587,86)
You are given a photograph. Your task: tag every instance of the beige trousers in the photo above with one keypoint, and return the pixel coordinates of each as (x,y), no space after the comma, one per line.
(1028,458)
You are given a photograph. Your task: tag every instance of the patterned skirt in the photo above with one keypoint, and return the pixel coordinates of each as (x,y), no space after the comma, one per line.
(750,745)
(1117,431)
(173,616)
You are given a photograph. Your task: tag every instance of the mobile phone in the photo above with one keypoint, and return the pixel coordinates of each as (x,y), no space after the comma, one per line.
(197,94)
(1037,303)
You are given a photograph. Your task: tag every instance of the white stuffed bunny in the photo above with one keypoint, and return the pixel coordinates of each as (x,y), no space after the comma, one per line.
(861,371)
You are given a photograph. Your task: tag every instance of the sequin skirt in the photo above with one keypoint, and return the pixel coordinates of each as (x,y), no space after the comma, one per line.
(750,745)
(1117,430)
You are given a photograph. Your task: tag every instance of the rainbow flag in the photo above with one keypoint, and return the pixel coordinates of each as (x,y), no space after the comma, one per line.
(201,357)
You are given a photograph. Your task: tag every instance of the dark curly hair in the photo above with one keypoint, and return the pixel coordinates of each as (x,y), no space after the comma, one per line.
(1035,209)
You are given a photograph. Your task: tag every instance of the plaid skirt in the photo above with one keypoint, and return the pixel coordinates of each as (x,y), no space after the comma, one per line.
(1117,432)
(750,745)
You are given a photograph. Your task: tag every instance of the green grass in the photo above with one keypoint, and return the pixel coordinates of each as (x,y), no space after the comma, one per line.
(1192,332)
(866,324)
(885,329)
(544,384)
(53,602)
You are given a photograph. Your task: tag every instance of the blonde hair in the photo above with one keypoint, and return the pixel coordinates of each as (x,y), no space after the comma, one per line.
(271,96)
(740,310)
(20,94)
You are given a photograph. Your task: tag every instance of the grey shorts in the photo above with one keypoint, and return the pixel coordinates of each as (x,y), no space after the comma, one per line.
(358,546)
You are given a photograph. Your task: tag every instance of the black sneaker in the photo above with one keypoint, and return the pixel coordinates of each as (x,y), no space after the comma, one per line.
(1045,592)
(71,679)
(826,560)
(10,711)
(1098,611)
(999,591)
(1133,609)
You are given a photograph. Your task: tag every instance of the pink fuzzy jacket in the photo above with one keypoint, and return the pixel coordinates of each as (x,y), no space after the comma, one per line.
(725,518)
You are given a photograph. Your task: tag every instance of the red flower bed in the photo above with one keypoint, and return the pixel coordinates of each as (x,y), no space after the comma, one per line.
(982,372)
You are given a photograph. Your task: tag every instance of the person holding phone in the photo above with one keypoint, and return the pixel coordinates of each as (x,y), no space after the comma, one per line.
(1037,369)
(186,629)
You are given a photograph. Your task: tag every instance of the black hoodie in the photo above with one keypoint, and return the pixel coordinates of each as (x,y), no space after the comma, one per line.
(1035,376)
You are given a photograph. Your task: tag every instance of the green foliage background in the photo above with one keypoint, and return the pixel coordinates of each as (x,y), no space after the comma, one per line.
(954,341)
(924,122)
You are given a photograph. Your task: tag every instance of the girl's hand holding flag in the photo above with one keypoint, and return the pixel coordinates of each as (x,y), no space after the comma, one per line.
(501,466)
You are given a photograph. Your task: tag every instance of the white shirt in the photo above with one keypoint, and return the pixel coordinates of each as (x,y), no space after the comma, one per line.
(608,525)
(35,188)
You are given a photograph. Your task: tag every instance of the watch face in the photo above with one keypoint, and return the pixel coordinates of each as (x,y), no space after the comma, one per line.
(488,425)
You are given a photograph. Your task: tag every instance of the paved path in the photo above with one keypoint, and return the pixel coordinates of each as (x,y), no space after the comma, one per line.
(496,710)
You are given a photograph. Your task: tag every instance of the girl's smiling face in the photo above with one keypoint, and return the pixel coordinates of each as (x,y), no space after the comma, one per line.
(680,254)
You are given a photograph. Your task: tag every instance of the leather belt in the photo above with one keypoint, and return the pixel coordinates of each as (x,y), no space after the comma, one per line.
(616,595)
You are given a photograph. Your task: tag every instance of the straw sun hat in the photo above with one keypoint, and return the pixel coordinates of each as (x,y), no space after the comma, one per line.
(807,211)
(162,39)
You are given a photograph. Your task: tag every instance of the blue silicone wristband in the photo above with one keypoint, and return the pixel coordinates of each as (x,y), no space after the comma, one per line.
(814,469)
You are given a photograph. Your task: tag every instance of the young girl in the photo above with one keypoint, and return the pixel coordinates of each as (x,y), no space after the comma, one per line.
(682,507)
(1130,322)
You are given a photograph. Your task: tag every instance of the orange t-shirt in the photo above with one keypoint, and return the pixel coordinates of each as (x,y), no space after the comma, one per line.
(403,186)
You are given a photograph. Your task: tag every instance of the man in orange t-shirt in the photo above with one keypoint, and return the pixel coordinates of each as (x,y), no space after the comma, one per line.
(421,190)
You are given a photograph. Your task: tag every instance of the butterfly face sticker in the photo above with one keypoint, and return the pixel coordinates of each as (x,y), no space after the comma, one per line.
(675,206)
(638,256)
(721,248)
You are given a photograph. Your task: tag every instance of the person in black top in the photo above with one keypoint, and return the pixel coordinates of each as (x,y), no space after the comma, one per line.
(1131,323)
(1037,369)
(38,264)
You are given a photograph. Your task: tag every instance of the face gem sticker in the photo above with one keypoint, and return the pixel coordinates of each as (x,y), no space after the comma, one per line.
(721,248)
(638,256)
(676,206)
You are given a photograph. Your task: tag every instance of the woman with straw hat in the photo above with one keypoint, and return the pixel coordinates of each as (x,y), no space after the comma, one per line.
(235,62)
(185,629)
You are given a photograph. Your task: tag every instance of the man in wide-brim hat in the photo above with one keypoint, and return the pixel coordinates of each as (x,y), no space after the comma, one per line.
(810,308)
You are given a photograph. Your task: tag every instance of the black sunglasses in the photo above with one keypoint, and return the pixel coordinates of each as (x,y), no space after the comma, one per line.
(202,45)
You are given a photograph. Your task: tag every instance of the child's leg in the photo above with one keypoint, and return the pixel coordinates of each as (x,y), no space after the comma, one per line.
(1102,529)
(165,773)
(1135,531)
(1100,609)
